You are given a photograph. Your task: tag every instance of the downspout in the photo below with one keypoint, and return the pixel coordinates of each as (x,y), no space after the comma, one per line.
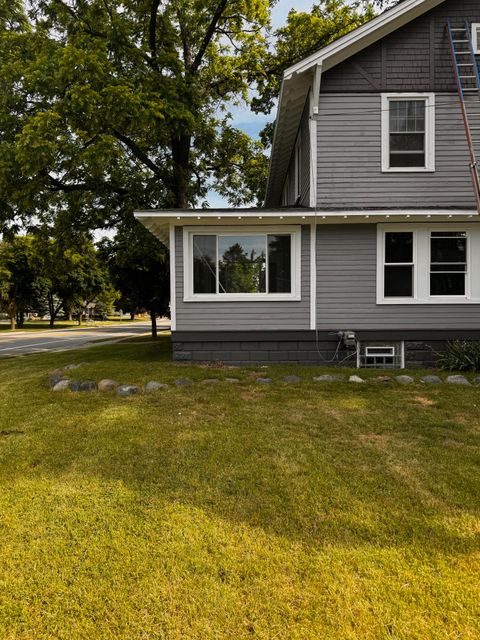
(314,108)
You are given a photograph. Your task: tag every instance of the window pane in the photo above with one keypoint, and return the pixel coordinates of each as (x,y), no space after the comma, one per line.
(407,160)
(447,284)
(399,247)
(399,282)
(448,249)
(204,264)
(279,264)
(241,264)
(407,142)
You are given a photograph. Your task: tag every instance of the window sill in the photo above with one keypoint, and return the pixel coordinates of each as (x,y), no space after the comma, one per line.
(406,170)
(430,301)
(246,297)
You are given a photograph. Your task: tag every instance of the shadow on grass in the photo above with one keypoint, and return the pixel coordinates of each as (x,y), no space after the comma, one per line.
(330,465)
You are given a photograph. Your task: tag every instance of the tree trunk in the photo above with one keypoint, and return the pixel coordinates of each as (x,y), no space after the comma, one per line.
(51,309)
(132,315)
(153,318)
(180,179)
(13,322)
(20,319)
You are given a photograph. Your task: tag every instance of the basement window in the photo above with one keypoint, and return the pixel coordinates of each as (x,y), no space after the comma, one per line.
(381,356)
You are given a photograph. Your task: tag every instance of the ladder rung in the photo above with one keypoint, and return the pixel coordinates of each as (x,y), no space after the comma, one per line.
(471,89)
(465,64)
(467,77)
(459,41)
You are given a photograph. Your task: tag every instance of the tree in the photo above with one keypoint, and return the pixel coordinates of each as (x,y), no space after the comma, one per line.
(125,105)
(73,275)
(303,34)
(21,286)
(139,268)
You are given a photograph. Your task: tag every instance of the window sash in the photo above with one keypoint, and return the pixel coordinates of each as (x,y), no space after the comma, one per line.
(467,267)
(287,267)
(408,132)
(446,269)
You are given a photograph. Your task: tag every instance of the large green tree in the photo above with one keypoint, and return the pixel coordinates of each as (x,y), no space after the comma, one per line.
(109,105)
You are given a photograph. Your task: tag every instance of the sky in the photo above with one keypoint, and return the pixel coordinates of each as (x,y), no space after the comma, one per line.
(243,118)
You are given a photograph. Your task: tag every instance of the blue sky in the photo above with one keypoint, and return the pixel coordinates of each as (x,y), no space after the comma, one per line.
(245,119)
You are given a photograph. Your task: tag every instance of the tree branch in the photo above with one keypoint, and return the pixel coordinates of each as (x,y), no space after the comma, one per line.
(152,33)
(137,152)
(208,36)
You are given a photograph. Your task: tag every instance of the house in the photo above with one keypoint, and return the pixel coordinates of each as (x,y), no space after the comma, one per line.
(368,249)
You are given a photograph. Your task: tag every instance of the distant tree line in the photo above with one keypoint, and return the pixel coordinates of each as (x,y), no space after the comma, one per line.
(66,276)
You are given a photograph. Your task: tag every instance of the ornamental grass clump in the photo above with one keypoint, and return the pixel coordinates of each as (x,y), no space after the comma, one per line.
(461,355)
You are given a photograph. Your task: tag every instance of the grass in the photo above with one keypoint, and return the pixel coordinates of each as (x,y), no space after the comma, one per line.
(39,325)
(299,512)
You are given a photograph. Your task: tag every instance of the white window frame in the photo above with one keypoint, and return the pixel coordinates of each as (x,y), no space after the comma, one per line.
(421,261)
(476,37)
(294,231)
(429,132)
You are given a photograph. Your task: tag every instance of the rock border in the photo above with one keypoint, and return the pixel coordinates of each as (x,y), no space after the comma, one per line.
(58,381)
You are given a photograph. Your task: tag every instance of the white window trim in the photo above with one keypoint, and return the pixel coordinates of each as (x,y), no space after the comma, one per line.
(475,37)
(190,296)
(429,132)
(421,261)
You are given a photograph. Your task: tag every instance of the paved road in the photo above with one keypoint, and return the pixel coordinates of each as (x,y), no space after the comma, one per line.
(22,342)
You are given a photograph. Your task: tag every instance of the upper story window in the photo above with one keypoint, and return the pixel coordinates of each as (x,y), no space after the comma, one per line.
(242,264)
(408,132)
(476,37)
(428,264)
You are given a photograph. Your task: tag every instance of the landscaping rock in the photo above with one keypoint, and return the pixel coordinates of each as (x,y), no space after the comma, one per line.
(62,385)
(71,367)
(264,380)
(75,385)
(232,380)
(88,385)
(291,379)
(107,385)
(329,378)
(476,380)
(183,382)
(210,381)
(458,380)
(356,379)
(128,390)
(431,380)
(55,379)
(153,386)
(404,379)
(383,379)
(56,373)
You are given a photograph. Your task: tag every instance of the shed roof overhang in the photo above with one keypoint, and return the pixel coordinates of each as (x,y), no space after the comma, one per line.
(160,223)
(299,78)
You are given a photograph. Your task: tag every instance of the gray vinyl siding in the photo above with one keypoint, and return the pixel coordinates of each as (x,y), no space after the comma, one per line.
(349,151)
(413,58)
(346,289)
(234,316)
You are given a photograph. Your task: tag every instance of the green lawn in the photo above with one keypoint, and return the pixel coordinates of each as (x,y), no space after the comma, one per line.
(297,512)
(38,325)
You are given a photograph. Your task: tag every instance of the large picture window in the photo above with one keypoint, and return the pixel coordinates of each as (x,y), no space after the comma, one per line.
(428,264)
(408,131)
(239,264)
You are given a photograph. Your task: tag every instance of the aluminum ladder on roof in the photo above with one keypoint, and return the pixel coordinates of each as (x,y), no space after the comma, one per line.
(467,78)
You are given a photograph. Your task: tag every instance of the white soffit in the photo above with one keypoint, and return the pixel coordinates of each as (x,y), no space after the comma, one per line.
(297,80)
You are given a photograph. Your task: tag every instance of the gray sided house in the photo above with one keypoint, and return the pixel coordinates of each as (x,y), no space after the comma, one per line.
(367,251)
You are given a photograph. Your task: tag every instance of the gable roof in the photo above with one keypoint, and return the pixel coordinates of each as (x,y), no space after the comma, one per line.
(299,78)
